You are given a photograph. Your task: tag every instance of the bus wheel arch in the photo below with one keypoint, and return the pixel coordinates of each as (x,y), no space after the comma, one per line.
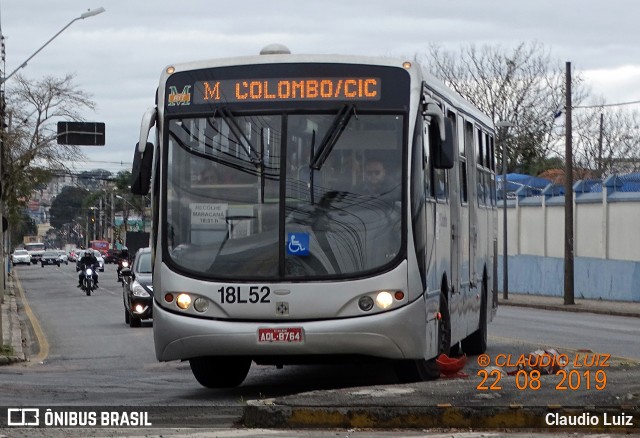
(417,370)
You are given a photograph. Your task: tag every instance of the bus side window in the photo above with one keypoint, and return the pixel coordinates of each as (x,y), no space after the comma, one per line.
(428,169)
(439,188)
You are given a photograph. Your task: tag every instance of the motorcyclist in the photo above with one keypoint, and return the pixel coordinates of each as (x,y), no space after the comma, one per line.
(123,257)
(88,260)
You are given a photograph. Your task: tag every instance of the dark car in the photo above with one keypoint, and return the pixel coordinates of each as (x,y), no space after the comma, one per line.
(111,256)
(137,289)
(50,258)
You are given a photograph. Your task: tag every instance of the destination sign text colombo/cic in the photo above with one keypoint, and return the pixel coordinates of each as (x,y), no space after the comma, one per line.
(287,89)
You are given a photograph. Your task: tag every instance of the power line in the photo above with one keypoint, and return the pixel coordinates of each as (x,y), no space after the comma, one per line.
(633,102)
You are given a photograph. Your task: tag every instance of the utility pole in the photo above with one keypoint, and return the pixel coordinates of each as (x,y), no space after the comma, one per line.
(100,221)
(568,197)
(503,127)
(600,170)
(113,220)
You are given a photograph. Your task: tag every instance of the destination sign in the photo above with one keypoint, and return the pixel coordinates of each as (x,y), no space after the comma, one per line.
(287,89)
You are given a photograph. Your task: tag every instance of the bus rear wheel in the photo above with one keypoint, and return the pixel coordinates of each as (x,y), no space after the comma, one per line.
(476,342)
(220,372)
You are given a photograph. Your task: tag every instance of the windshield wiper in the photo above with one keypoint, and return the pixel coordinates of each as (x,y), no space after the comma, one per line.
(331,137)
(250,150)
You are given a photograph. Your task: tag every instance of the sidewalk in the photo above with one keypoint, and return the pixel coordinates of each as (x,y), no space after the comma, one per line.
(617,308)
(11,330)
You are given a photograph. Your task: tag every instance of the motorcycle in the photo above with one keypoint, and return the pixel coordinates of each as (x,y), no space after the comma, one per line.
(123,265)
(88,284)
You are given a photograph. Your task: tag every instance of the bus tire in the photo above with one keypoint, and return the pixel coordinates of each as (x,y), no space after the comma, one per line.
(444,326)
(420,370)
(409,371)
(220,372)
(476,342)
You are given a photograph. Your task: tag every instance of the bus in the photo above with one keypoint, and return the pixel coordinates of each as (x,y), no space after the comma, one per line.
(35,249)
(268,249)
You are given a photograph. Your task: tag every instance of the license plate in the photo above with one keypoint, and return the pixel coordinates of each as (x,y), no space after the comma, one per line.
(280,335)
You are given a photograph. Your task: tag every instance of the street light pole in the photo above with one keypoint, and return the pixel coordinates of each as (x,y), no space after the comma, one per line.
(87,14)
(504,127)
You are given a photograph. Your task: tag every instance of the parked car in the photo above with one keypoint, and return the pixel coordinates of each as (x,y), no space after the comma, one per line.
(20,257)
(64,258)
(137,289)
(50,258)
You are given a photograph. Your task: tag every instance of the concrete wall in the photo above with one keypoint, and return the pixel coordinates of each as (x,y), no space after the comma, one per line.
(606,243)
(616,280)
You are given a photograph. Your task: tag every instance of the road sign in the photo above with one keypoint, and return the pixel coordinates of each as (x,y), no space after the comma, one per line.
(81,133)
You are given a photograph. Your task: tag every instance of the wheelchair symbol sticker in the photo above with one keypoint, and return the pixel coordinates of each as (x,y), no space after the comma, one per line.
(298,244)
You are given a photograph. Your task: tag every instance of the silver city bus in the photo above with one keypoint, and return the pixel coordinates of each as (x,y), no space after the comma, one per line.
(312,208)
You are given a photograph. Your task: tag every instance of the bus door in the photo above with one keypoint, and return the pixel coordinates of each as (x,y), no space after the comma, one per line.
(456,297)
(472,177)
(464,222)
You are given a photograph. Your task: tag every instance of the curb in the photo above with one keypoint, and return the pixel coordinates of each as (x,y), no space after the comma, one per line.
(577,308)
(266,415)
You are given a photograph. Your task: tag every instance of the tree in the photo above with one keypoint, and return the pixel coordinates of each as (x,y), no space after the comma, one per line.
(25,226)
(524,86)
(607,140)
(31,152)
(67,206)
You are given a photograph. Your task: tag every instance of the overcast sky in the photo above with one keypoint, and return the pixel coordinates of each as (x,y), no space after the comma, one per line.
(117,56)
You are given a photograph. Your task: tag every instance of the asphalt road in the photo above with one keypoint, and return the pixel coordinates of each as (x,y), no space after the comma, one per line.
(87,356)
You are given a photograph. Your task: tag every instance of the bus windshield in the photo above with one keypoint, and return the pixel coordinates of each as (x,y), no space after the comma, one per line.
(34,246)
(245,200)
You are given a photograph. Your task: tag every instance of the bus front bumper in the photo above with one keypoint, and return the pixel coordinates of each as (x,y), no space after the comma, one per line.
(397,334)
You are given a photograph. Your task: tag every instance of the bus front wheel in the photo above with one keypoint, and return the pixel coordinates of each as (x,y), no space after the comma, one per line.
(220,372)
(409,371)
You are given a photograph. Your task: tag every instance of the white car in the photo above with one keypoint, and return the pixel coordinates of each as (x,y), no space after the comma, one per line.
(20,257)
(62,255)
(100,260)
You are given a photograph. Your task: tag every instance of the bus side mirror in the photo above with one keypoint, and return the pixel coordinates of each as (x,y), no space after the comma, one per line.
(141,170)
(443,153)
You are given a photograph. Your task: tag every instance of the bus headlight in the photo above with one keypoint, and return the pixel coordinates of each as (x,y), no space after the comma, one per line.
(201,304)
(183,301)
(365,303)
(384,299)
